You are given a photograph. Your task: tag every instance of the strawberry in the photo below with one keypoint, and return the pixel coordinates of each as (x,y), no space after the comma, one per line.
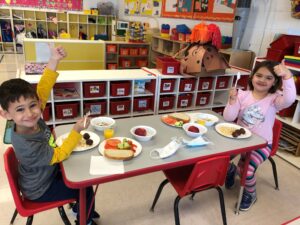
(193,129)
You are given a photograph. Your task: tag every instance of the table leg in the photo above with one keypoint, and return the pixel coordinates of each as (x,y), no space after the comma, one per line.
(243,180)
(82,206)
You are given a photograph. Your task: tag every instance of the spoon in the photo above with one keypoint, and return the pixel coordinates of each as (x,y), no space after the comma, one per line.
(238,76)
(88,112)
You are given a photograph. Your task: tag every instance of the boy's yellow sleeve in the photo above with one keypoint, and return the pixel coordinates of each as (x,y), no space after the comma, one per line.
(45,85)
(61,153)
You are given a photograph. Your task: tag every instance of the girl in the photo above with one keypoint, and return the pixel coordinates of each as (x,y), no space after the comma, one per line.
(256,109)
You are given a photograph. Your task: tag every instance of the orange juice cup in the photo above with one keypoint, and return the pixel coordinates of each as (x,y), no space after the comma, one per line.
(108,133)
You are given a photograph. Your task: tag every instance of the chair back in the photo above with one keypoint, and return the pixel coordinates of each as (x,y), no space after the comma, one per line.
(11,168)
(207,173)
(276,136)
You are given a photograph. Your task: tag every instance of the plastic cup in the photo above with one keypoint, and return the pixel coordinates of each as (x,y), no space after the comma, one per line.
(108,133)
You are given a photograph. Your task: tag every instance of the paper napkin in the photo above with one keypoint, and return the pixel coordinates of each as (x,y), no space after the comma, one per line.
(102,166)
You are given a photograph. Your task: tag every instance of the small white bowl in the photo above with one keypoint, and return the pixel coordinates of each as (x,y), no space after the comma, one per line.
(206,119)
(101,123)
(202,129)
(150,133)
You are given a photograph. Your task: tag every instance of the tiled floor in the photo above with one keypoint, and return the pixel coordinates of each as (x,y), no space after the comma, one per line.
(127,202)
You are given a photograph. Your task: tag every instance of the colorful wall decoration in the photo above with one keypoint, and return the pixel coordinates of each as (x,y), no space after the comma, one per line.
(218,10)
(142,7)
(49,4)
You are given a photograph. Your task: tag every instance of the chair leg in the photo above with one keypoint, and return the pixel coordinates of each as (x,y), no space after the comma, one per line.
(176,211)
(14,216)
(274,172)
(63,215)
(29,220)
(161,186)
(222,204)
(192,196)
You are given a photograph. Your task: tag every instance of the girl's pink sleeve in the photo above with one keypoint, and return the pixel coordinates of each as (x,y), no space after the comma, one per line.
(288,94)
(231,112)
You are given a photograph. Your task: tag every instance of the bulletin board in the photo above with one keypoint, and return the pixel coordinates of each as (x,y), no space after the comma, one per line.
(48,4)
(217,10)
(142,7)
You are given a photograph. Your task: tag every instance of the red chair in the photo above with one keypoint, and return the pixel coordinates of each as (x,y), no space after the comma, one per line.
(188,180)
(276,136)
(24,206)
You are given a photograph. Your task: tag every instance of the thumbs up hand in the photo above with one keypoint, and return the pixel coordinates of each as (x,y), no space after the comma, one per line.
(282,71)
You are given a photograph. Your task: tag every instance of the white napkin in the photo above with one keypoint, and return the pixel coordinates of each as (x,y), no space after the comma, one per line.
(102,166)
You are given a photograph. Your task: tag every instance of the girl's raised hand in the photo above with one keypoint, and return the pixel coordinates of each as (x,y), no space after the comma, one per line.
(233,93)
(282,71)
(80,125)
(57,53)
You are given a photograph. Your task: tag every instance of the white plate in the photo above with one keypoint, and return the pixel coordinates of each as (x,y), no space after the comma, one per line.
(93,136)
(208,118)
(233,127)
(138,145)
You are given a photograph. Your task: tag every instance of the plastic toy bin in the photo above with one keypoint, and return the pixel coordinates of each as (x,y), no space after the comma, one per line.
(142,63)
(184,100)
(167,65)
(120,88)
(119,106)
(297,49)
(167,85)
(202,98)
(134,51)
(112,66)
(142,103)
(124,51)
(205,83)
(288,112)
(222,82)
(143,51)
(187,84)
(96,108)
(66,110)
(94,89)
(111,48)
(166,102)
(46,113)
(125,63)
(219,110)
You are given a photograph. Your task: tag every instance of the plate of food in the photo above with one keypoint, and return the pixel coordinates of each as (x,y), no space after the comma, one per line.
(120,148)
(232,130)
(88,141)
(206,119)
(176,119)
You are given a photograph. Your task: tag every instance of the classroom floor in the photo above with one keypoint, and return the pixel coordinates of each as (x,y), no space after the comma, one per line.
(127,202)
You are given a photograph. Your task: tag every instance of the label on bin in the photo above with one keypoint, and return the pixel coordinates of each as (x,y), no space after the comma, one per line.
(143,104)
(167,86)
(205,85)
(184,103)
(188,87)
(120,108)
(94,89)
(120,91)
(170,69)
(67,112)
(95,109)
(222,84)
(166,103)
(203,100)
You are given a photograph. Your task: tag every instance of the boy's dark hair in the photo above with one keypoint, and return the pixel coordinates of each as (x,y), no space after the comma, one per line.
(12,90)
(270,66)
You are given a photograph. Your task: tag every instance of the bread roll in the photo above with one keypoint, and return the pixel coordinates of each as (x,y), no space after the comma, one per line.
(118,154)
(180,117)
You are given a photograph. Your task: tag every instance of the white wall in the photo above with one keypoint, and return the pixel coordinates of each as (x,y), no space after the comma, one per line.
(267,18)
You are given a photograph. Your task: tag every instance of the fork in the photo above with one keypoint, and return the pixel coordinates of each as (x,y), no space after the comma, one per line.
(238,76)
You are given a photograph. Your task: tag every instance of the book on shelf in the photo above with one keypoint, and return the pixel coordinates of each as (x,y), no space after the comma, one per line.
(292,57)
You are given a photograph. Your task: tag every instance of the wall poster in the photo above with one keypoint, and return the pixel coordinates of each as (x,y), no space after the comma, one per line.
(47,4)
(142,7)
(218,10)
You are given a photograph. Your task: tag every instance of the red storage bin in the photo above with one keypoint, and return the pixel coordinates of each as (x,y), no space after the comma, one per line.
(118,106)
(297,49)
(142,63)
(124,51)
(94,89)
(166,102)
(277,54)
(112,66)
(219,110)
(134,51)
(142,103)
(202,98)
(288,112)
(143,51)
(120,88)
(96,108)
(46,113)
(187,84)
(167,85)
(125,63)
(205,83)
(285,41)
(222,82)
(111,48)
(167,65)
(184,100)
(66,110)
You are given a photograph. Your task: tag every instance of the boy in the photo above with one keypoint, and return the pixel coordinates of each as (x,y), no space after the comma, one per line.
(39,176)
